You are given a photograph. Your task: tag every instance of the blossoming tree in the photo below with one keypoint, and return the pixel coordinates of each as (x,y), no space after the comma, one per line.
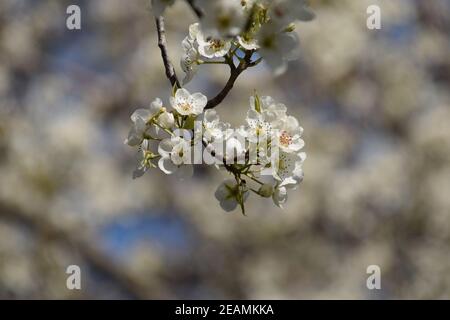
(264,155)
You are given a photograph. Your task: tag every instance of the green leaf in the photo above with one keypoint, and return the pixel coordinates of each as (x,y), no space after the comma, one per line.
(174,89)
(189,123)
(257,103)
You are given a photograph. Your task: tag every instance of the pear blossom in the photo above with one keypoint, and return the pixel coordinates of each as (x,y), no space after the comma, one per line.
(279,196)
(268,107)
(175,158)
(223,18)
(288,174)
(166,120)
(145,157)
(287,168)
(283,12)
(261,28)
(137,132)
(191,57)
(140,119)
(248,42)
(163,118)
(190,40)
(262,120)
(289,134)
(277,47)
(258,129)
(216,134)
(214,130)
(158,6)
(188,104)
(210,47)
(189,64)
(263,114)
(229,195)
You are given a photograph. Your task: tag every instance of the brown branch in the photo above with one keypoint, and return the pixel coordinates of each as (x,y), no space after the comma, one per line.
(162,44)
(228,86)
(234,74)
(197,10)
(172,76)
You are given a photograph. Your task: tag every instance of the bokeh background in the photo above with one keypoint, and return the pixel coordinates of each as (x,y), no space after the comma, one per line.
(375,106)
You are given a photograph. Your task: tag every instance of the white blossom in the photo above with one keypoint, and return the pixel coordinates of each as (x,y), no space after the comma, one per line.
(223,18)
(211,47)
(164,118)
(189,64)
(228,194)
(269,132)
(268,108)
(137,132)
(214,130)
(144,159)
(287,168)
(283,12)
(262,116)
(277,47)
(289,134)
(279,196)
(175,157)
(258,129)
(248,42)
(191,57)
(188,104)
(140,119)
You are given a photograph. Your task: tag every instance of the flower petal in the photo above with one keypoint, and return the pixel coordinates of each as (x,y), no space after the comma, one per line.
(228,204)
(165,148)
(199,102)
(143,114)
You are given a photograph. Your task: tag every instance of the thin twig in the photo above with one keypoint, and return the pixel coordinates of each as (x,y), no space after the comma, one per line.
(228,86)
(162,44)
(172,76)
(197,10)
(234,74)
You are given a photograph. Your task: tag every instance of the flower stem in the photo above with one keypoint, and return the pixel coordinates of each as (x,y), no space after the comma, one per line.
(214,62)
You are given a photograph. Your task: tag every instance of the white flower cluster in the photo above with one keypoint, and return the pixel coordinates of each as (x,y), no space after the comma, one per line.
(267,150)
(158,127)
(229,27)
(264,156)
(270,154)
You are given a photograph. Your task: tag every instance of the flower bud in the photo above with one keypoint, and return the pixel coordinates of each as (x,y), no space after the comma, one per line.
(266,190)
(166,119)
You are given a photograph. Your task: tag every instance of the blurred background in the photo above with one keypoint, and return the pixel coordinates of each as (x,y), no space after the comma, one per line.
(375,107)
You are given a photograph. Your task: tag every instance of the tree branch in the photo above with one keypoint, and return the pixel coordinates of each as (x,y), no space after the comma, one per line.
(170,70)
(197,10)
(234,74)
(162,44)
